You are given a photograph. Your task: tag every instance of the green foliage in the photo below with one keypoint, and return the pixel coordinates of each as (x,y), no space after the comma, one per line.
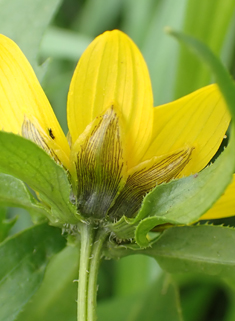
(60,43)
(26,256)
(134,274)
(202,249)
(173,70)
(5,224)
(56,298)
(150,305)
(13,192)
(32,165)
(25,22)
(160,53)
(97,16)
(214,65)
(208,21)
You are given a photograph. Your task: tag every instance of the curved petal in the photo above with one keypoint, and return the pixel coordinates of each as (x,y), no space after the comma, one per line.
(225,206)
(21,97)
(199,120)
(112,70)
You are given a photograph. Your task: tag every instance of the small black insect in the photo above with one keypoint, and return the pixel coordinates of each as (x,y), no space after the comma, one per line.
(51,133)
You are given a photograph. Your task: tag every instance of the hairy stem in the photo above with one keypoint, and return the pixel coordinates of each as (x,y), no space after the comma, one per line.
(92,241)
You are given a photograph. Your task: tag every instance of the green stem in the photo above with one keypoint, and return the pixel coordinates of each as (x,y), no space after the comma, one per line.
(92,241)
(87,235)
(94,268)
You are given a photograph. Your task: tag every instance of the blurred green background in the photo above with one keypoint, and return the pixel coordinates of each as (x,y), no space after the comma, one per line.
(131,285)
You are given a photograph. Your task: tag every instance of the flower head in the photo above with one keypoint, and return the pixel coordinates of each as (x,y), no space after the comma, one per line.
(120,147)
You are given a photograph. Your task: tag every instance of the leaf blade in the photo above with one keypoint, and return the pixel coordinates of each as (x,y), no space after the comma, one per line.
(31,164)
(56,300)
(25,258)
(13,192)
(201,249)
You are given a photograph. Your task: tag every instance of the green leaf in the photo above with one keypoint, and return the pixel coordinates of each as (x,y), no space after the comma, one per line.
(201,296)
(201,249)
(5,224)
(185,200)
(56,298)
(32,165)
(113,250)
(196,300)
(217,14)
(133,274)
(63,44)
(222,76)
(230,315)
(25,22)
(137,19)
(14,193)
(97,16)
(160,302)
(160,53)
(24,258)
(128,304)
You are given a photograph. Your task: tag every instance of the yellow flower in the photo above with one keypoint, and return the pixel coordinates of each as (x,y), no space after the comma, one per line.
(119,146)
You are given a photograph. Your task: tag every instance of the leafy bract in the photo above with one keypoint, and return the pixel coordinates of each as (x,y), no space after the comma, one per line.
(25,258)
(32,165)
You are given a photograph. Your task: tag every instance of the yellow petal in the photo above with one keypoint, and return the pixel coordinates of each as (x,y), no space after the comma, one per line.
(144,177)
(112,70)
(21,96)
(199,120)
(225,206)
(98,163)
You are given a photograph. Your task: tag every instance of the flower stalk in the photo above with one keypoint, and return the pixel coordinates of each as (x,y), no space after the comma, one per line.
(92,241)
